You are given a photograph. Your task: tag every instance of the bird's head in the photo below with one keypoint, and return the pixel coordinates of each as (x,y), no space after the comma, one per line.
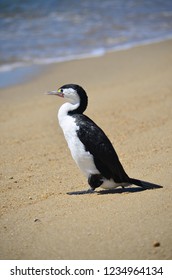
(74,93)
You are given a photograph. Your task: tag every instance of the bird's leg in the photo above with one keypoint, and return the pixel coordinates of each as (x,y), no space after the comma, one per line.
(123,185)
(95,181)
(90,190)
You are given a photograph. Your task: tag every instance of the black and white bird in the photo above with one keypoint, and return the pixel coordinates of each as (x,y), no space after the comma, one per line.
(90,147)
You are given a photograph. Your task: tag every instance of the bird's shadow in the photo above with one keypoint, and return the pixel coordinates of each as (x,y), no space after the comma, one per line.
(114,191)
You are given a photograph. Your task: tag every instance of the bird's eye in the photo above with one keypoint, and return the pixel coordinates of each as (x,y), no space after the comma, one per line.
(60,90)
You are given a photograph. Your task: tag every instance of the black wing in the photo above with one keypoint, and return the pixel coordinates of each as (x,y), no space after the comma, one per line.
(98,144)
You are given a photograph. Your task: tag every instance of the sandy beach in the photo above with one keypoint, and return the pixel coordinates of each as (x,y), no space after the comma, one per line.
(130,97)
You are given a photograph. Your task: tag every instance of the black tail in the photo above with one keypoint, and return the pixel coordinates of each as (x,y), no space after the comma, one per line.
(144,184)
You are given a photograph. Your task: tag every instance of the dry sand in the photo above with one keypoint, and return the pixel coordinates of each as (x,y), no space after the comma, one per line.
(130,97)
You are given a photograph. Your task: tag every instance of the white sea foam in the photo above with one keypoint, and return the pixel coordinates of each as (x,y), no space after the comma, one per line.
(94,53)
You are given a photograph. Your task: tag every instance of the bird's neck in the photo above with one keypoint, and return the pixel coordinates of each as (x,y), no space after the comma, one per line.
(65,110)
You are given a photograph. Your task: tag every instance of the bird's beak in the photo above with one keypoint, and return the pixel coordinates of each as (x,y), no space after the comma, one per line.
(55,92)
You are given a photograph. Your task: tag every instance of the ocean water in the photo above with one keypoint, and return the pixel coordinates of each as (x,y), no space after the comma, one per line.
(35,32)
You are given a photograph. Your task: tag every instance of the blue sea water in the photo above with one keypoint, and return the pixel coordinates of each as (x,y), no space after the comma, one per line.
(37,32)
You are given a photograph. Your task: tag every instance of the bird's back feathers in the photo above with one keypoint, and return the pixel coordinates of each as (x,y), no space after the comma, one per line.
(98,144)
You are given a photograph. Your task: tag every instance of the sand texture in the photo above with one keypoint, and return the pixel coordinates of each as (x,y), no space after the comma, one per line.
(130,97)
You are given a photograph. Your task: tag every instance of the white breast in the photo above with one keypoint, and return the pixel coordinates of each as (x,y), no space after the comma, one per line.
(83,158)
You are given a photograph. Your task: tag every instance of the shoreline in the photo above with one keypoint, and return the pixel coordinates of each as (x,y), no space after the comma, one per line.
(130,99)
(25,73)
(19,75)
